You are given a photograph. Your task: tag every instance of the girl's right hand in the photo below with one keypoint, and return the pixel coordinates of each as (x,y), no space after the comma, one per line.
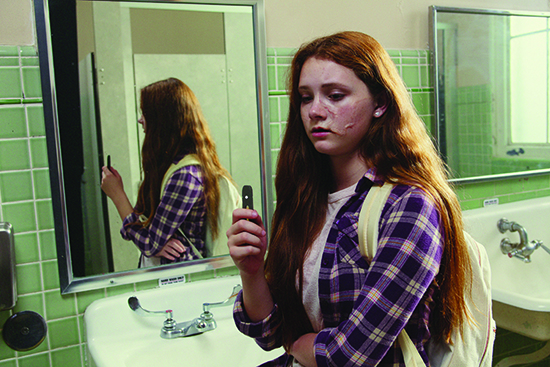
(111,182)
(247,241)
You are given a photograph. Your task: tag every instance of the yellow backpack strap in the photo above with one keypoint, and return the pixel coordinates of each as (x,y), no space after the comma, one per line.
(369,217)
(188,160)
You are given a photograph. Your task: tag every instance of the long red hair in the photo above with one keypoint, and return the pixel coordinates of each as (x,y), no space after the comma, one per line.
(397,144)
(174,125)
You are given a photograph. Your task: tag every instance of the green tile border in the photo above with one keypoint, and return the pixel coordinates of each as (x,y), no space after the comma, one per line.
(277,93)
(7,51)
(7,101)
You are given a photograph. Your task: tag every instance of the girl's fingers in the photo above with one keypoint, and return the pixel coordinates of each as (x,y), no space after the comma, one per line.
(241,252)
(176,245)
(172,250)
(245,226)
(165,253)
(245,239)
(244,246)
(113,171)
(169,257)
(247,214)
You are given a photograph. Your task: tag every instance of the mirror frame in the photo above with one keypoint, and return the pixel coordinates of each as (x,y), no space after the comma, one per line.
(71,284)
(439,91)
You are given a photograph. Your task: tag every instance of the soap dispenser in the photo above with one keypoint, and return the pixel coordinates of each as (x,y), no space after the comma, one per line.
(8,289)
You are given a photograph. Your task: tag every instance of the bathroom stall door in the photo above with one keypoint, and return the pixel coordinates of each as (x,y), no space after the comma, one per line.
(96,259)
(117,113)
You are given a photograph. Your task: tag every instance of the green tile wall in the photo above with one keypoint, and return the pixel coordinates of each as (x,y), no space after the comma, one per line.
(25,201)
(474,138)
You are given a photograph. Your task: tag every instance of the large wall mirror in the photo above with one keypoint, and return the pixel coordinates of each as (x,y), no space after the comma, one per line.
(491,76)
(95,56)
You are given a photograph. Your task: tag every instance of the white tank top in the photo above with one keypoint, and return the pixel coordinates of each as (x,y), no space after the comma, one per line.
(312,263)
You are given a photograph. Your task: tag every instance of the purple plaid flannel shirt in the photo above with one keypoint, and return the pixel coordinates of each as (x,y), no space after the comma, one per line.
(365,306)
(182,208)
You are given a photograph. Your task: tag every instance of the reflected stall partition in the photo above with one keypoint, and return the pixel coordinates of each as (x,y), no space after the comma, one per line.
(491,75)
(95,56)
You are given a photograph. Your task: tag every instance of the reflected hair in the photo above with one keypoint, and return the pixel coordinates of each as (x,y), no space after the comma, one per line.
(398,145)
(175,125)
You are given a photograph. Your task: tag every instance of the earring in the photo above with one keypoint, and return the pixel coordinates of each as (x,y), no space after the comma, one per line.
(377,114)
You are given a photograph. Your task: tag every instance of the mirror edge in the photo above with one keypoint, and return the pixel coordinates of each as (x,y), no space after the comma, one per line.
(432,24)
(50,121)
(70,284)
(260,44)
(502,176)
(145,274)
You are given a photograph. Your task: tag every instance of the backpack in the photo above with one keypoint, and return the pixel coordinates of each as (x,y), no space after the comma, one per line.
(230,199)
(475,346)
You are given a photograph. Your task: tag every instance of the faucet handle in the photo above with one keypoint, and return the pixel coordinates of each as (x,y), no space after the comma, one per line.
(207,306)
(544,247)
(134,304)
(236,290)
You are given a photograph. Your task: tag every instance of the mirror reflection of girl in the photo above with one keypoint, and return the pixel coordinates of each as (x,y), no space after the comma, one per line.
(170,223)
(351,125)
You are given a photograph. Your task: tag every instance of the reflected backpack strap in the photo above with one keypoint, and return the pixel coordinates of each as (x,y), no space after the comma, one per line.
(188,160)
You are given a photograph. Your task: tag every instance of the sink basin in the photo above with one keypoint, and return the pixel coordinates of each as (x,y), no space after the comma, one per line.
(520,291)
(117,336)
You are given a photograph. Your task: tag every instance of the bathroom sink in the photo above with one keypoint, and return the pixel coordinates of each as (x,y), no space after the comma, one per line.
(118,336)
(520,291)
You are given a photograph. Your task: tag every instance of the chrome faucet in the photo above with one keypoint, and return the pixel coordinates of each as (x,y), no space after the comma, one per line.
(524,248)
(171,329)
(206,307)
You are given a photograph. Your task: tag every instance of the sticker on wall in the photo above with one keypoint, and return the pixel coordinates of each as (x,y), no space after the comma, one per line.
(172,280)
(490,202)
